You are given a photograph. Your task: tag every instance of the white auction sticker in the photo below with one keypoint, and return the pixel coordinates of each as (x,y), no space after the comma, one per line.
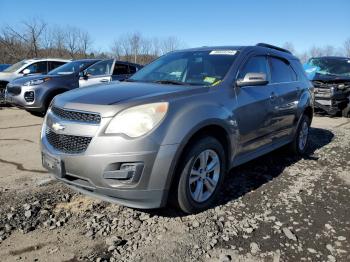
(223,52)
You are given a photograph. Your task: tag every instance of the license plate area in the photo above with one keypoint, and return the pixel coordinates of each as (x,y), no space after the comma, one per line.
(53,164)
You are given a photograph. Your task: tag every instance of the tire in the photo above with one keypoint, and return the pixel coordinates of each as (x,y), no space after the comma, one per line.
(346,111)
(300,141)
(202,192)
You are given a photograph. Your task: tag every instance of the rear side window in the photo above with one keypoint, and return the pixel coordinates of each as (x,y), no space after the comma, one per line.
(256,64)
(281,71)
(120,69)
(55,64)
(38,68)
(132,69)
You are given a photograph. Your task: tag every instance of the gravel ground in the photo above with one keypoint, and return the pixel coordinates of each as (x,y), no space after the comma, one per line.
(275,208)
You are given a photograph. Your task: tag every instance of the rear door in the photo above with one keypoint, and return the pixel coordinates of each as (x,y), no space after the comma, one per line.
(286,88)
(98,73)
(254,112)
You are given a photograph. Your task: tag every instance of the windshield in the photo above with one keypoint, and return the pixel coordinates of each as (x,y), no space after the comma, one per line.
(188,67)
(70,68)
(15,67)
(331,66)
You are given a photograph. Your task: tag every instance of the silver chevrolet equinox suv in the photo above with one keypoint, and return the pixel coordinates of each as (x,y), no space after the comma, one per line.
(172,131)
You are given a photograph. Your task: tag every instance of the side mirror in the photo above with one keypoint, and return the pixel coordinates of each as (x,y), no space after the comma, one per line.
(253,79)
(84,75)
(26,71)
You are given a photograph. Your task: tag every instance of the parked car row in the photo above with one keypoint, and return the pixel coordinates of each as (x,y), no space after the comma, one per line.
(171,132)
(31,84)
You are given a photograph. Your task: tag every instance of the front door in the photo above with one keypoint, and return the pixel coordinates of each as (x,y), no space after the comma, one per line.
(98,73)
(255,107)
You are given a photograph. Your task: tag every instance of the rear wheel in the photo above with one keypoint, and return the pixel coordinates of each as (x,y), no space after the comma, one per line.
(201,173)
(301,138)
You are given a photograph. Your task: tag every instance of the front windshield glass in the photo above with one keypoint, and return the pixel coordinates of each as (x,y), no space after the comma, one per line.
(331,66)
(15,67)
(70,68)
(188,67)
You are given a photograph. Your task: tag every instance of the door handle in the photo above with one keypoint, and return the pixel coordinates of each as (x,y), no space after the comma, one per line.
(104,80)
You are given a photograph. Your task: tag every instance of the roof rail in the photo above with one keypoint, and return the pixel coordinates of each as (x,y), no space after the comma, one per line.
(274,47)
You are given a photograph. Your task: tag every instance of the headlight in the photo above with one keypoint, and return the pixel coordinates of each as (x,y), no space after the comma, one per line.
(138,120)
(37,81)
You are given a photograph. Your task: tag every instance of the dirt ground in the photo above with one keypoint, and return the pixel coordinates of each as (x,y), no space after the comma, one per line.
(275,208)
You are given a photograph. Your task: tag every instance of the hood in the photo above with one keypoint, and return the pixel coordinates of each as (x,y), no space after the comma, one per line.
(110,98)
(7,76)
(22,80)
(330,78)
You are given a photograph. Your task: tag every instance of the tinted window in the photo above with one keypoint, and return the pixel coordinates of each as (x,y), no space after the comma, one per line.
(121,69)
(281,71)
(256,64)
(100,68)
(132,69)
(37,68)
(55,64)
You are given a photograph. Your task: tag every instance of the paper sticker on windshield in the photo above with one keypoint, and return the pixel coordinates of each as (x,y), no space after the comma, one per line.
(223,52)
(349,61)
(209,79)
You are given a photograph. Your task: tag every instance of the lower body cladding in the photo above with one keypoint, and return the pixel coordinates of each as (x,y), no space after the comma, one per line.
(135,179)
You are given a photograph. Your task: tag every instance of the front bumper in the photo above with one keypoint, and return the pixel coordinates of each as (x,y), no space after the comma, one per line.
(86,172)
(330,105)
(20,101)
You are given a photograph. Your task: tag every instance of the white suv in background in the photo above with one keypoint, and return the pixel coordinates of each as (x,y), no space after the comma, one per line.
(27,67)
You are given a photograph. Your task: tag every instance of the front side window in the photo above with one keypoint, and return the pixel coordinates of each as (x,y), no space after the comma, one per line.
(100,68)
(37,68)
(132,69)
(188,68)
(256,64)
(281,71)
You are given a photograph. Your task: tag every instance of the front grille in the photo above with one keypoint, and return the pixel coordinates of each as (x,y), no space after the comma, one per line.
(76,116)
(15,90)
(67,143)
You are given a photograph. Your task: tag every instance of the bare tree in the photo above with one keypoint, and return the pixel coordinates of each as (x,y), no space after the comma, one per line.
(289,46)
(169,44)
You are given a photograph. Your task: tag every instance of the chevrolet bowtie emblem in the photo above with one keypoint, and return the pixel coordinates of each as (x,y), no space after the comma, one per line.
(58,127)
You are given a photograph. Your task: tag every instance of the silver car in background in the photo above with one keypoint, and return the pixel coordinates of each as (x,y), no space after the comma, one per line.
(26,68)
(174,129)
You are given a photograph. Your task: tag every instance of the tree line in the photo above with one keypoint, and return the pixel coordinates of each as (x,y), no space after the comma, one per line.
(35,38)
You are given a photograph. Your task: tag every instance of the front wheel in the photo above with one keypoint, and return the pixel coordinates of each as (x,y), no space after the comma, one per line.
(301,138)
(201,173)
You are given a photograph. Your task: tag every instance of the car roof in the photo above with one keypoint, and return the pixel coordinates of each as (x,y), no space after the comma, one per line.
(269,49)
(87,59)
(32,60)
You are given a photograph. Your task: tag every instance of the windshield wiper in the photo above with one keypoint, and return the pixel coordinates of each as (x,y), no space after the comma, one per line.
(170,82)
